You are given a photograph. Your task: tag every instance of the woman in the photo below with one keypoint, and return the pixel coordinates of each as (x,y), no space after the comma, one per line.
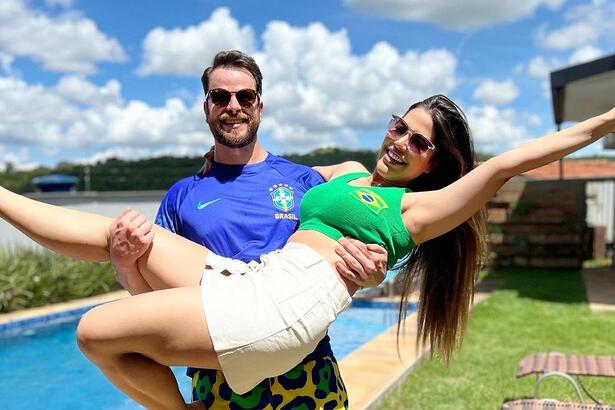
(277,317)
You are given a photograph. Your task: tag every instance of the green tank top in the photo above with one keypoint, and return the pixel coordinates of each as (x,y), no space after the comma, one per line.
(370,214)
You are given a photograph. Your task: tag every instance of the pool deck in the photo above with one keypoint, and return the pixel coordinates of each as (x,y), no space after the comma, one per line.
(375,368)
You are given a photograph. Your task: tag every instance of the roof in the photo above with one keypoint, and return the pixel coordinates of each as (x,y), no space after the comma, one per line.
(53,179)
(575,168)
(583,90)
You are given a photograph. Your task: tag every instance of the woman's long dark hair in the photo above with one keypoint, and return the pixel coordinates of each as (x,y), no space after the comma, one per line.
(444,268)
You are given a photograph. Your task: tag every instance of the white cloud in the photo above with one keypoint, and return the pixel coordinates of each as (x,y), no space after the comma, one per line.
(568,37)
(534,120)
(496,92)
(31,114)
(66,43)
(18,160)
(312,80)
(137,123)
(540,67)
(187,51)
(584,26)
(78,89)
(454,15)
(55,117)
(317,93)
(585,54)
(6,62)
(496,129)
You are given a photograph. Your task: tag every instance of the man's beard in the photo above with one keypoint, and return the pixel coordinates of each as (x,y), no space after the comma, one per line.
(233,139)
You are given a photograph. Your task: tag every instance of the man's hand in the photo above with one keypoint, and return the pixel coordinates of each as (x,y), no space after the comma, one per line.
(365,265)
(130,236)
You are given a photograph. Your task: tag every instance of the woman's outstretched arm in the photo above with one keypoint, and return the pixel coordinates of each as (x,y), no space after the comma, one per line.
(83,235)
(431,214)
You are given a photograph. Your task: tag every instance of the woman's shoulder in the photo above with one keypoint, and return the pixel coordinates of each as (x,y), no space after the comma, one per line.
(349,167)
(330,172)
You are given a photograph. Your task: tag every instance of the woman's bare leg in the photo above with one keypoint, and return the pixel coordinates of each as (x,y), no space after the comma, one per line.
(171,261)
(133,281)
(134,340)
(71,233)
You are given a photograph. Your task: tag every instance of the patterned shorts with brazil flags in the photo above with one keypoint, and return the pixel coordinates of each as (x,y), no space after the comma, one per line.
(313,384)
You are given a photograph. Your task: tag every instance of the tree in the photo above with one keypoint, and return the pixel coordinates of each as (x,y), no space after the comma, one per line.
(9,167)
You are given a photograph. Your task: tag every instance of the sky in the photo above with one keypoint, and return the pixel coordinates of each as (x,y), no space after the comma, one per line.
(87,80)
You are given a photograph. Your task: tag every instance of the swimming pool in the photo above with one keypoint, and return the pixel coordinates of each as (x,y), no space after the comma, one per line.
(41,366)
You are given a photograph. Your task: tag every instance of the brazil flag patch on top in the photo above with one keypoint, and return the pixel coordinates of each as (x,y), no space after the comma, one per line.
(370,199)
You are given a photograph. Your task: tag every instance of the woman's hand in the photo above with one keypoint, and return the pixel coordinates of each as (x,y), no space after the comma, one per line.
(208,160)
(130,236)
(365,265)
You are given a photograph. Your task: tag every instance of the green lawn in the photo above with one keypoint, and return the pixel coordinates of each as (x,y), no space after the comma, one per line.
(533,311)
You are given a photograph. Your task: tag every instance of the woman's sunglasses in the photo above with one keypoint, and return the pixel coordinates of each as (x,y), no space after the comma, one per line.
(221,97)
(398,128)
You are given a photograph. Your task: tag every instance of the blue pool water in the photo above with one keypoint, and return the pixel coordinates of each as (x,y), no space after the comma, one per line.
(43,368)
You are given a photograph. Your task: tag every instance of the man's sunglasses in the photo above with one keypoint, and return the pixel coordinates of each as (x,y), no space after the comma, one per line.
(397,128)
(221,97)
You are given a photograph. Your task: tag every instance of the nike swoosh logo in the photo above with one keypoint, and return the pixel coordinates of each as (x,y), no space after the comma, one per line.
(202,205)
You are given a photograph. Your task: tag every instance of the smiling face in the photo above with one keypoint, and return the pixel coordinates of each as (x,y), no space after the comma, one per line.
(232,125)
(399,160)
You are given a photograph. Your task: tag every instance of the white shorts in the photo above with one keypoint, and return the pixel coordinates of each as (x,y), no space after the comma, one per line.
(267,320)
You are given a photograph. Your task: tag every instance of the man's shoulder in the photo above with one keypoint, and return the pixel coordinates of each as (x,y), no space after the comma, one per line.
(180,190)
(291,169)
(276,160)
(184,185)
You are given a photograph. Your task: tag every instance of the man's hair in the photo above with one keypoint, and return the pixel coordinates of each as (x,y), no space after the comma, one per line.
(234,59)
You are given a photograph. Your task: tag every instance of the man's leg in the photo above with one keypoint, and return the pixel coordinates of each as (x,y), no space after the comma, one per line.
(134,340)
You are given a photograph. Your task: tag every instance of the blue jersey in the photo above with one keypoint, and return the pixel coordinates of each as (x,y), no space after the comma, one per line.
(239,211)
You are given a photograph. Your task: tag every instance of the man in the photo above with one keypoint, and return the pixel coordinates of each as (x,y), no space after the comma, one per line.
(245,205)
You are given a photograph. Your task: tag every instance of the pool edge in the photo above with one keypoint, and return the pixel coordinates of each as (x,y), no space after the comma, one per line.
(32,317)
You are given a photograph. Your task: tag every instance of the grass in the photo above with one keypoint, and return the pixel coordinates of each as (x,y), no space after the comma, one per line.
(533,311)
(597,263)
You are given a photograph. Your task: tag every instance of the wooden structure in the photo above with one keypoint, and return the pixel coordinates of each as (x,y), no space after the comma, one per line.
(539,224)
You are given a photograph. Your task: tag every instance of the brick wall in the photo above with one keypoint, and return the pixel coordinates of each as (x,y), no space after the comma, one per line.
(539,224)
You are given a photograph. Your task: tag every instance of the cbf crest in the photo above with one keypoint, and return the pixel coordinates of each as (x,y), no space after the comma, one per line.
(283,197)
